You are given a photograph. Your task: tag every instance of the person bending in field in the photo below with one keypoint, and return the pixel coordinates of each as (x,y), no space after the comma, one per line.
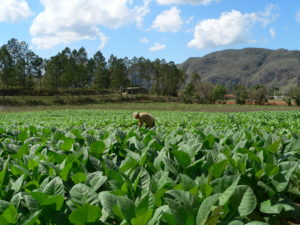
(144,117)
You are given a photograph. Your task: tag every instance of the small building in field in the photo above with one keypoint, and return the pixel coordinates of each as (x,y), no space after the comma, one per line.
(229,96)
(134,90)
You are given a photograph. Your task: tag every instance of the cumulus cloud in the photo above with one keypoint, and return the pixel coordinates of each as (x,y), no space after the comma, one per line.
(231,28)
(298,16)
(141,12)
(192,2)
(168,21)
(65,22)
(272,32)
(157,47)
(14,10)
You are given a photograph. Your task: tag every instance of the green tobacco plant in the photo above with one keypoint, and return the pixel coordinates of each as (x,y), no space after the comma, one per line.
(193,168)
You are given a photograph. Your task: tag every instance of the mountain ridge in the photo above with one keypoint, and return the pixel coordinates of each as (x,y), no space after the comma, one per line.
(249,67)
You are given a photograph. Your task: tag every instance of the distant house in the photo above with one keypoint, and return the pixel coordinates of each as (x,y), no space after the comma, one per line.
(134,90)
(229,96)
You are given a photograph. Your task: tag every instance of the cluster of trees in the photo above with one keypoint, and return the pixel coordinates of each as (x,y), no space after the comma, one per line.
(19,66)
(21,69)
(200,91)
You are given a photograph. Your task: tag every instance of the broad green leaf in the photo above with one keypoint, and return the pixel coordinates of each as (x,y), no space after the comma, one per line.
(108,201)
(48,200)
(16,186)
(155,220)
(97,147)
(96,180)
(205,208)
(127,208)
(282,179)
(142,205)
(3,205)
(170,165)
(67,144)
(209,141)
(33,218)
(79,177)
(64,173)
(10,214)
(85,214)
(54,187)
(221,184)
(187,182)
(293,146)
(218,168)
(243,199)
(274,147)
(30,203)
(23,135)
(4,174)
(143,218)
(82,194)
(182,158)
(3,221)
(225,196)
(273,207)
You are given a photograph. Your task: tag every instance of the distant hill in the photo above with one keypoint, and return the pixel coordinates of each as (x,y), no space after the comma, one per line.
(249,66)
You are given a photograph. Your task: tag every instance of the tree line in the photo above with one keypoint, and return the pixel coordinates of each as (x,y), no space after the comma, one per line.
(23,71)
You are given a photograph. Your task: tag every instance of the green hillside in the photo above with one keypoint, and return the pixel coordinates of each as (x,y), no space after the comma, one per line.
(249,66)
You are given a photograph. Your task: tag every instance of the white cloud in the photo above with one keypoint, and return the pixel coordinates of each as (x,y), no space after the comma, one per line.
(168,21)
(157,47)
(14,10)
(192,2)
(141,12)
(144,40)
(272,32)
(269,15)
(231,28)
(298,16)
(65,22)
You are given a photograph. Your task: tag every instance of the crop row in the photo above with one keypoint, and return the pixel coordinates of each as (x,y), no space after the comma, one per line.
(97,167)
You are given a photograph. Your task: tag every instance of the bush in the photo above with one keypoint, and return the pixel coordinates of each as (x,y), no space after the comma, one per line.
(295,94)
(259,95)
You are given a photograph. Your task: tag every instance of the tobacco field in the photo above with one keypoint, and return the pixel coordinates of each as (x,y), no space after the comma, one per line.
(194,168)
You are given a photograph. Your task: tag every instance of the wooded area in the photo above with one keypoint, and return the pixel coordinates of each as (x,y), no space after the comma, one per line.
(24,72)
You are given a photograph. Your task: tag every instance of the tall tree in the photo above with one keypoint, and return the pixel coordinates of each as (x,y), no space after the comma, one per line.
(54,73)
(6,68)
(67,64)
(118,72)
(79,61)
(102,78)
(38,66)
(19,52)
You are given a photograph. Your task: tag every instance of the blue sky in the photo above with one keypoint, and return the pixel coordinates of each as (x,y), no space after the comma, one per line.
(171,29)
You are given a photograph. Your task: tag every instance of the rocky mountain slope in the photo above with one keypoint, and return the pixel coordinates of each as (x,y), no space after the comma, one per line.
(249,66)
